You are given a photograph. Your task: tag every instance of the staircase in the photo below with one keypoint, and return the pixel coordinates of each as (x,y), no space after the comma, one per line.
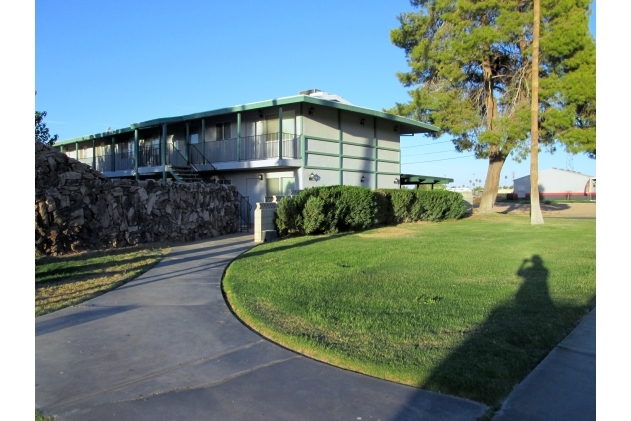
(185,174)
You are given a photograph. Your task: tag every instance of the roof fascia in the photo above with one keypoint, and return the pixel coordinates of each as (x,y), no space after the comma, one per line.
(93,136)
(408,126)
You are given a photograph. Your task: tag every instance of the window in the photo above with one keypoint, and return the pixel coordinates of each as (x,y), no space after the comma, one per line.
(83,152)
(272,128)
(280,186)
(194,138)
(223,131)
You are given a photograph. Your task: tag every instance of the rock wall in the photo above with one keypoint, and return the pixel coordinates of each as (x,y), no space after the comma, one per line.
(78,209)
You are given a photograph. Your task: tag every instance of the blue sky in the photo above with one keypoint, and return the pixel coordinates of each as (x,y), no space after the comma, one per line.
(111,63)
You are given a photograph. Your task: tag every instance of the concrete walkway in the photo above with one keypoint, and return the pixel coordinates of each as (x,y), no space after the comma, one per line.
(563,385)
(166,347)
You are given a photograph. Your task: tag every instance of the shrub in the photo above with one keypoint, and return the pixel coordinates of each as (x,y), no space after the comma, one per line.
(288,217)
(331,209)
(356,208)
(402,200)
(385,213)
(441,204)
(313,215)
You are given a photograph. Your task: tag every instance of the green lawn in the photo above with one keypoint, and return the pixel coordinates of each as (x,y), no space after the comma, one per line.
(463,307)
(65,281)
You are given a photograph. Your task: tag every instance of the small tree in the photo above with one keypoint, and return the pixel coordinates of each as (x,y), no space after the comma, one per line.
(42,134)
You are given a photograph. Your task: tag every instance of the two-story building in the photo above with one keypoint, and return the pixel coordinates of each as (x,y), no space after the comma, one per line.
(263,148)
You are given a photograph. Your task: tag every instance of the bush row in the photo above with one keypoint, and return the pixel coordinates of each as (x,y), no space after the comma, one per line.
(332,209)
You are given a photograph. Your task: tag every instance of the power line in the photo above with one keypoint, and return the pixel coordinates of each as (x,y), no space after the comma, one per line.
(427,144)
(446,159)
(430,153)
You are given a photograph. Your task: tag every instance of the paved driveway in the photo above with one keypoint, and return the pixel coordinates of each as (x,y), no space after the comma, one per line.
(166,347)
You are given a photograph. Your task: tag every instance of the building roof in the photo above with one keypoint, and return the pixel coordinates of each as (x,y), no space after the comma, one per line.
(314,98)
(555,169)
(414,179)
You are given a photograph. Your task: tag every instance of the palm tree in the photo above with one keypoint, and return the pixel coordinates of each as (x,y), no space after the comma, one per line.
(536,218)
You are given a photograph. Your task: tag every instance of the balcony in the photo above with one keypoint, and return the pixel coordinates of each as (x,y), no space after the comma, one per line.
(251,148)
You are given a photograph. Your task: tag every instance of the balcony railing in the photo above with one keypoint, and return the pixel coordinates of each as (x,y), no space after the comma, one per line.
(251,148)
(175,157)
(149,156)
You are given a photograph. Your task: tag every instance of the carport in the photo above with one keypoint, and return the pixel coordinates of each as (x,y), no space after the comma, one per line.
(418,180)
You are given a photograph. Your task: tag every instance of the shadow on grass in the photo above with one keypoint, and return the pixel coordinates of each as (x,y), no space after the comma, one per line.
(505,348)
(313,240)
(525,207)
(93,270)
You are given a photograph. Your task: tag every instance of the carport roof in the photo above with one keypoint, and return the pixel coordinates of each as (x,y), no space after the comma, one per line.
(414,179)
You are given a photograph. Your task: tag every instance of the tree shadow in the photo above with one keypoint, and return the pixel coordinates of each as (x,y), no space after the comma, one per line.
(508,345)
(313,240)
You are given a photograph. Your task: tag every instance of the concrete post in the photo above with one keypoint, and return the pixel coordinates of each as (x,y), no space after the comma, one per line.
(264,229)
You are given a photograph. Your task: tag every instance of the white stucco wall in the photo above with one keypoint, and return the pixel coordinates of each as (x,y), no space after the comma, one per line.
(553,180)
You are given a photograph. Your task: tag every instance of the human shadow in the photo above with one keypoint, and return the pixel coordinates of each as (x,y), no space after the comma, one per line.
(500,352)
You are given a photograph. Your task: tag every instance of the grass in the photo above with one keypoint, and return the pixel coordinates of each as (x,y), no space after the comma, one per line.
(65,281)
(465,307)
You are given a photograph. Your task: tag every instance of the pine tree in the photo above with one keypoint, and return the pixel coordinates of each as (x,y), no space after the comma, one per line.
(42,133)
(471,64)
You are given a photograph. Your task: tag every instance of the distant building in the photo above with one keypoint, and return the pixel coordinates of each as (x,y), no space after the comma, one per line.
(557,184)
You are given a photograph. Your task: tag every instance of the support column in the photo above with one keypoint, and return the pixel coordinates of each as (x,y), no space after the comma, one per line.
(203,139)
(163,152)
(376,156)
(113,155)
(76,151)
(238,136)
(280,132)
(340,146)
(136,153)
(187,142)
(302,137)
(93,154)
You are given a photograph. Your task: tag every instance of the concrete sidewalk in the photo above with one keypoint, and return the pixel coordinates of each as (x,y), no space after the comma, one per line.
(563,386)
(166,347)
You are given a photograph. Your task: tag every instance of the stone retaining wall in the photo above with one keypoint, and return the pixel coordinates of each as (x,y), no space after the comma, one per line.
(78,209)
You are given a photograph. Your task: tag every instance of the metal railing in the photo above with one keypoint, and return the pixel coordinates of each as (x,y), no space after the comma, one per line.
(222,150)
(245,210)
(252,148)
(149,156)
(175,157)
(266,146)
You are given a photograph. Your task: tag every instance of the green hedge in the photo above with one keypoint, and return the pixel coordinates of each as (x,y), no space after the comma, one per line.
(331,209)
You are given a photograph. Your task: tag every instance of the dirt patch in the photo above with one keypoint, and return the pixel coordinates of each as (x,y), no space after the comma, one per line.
(561,210)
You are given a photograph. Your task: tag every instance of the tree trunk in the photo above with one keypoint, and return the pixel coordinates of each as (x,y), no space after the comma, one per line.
(492,182)
(536,218)
(496,159)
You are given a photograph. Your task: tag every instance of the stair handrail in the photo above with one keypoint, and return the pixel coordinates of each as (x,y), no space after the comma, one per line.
(188,161)
(243,200)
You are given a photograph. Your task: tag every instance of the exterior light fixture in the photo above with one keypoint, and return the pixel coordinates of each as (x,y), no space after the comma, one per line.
(311,111)
(261,177)
(396,181)
(396,128)
(311,176)
(362,179)
(362,121)
(260,114)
